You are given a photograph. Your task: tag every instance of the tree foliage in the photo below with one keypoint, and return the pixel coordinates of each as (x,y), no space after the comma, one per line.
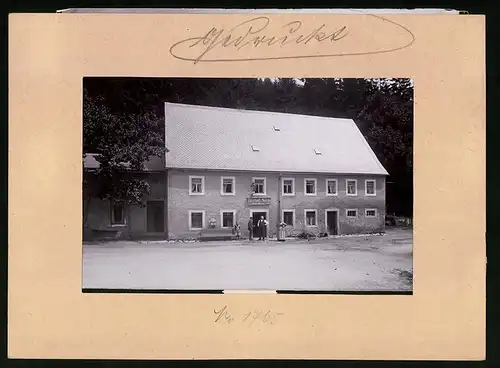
(121,142)
(382,109)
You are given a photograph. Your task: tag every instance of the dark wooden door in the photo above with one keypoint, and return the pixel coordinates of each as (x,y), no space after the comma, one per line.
(331,223)
(155,216)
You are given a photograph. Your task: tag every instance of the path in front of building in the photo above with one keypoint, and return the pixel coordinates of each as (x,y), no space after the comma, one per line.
(367,263)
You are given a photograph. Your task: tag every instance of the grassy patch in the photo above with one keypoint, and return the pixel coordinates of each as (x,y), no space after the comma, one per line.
(405,275)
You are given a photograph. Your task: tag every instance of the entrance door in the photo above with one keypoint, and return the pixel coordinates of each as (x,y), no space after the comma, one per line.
(155,216)
(256,217)
(331,223)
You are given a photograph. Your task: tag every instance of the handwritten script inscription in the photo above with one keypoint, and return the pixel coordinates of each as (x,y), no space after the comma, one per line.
(268,317)
(295,37)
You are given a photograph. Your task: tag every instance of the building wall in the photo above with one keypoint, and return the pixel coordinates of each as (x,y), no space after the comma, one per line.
(361,224)
(99,212)
(180,202)
(212,202)
(138,216)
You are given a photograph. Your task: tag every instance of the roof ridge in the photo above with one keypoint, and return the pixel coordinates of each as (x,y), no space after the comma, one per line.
(255,111)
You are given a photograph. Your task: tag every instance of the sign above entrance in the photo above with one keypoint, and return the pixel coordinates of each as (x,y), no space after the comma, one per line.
(259,201)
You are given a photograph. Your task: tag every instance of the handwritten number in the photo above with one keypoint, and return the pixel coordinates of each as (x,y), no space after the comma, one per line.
(224,316)
(246,316)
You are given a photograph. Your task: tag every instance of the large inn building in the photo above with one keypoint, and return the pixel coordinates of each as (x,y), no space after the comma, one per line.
(316,174)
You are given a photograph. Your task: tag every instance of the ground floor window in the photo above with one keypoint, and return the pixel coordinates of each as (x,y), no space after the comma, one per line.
(196,220)
(311,217)
(352,213)
(288,218)
(228,220)
(370,213)
(117,214)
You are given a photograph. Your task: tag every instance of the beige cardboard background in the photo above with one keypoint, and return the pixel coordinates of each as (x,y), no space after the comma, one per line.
(50,317)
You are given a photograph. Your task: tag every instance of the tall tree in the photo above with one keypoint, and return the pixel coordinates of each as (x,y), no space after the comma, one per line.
(387,121)
(121,144)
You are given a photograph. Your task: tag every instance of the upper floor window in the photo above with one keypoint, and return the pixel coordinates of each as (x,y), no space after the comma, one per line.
(370,189)
(259,185)
(288,186)
(351,187)
(310,186)
(227,185)
(196,185)
(331,187)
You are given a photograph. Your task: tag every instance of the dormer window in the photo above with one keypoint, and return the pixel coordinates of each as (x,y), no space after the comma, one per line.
(255,148)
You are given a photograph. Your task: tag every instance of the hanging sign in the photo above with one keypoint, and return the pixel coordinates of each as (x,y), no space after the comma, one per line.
(259,201)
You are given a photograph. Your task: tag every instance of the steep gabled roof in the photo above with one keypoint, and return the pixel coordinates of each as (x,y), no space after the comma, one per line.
(202,137)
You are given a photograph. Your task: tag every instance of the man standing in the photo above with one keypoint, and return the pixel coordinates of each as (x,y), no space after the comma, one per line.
(262,225)
(250,228)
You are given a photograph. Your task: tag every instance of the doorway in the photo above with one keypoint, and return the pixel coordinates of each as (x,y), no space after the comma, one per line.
(256,214)
(332,222)
(155,216)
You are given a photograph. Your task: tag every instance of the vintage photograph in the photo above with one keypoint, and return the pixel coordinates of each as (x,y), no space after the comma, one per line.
(286,184)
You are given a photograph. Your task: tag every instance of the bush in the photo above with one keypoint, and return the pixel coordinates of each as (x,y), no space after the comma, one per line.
(305,235)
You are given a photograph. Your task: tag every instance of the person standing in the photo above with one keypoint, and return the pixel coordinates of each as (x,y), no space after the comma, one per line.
(265,228)
(262,225)
(250,228)
(237,231)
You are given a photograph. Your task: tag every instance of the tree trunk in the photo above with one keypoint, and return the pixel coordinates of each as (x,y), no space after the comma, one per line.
(86,211)
(129,228)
